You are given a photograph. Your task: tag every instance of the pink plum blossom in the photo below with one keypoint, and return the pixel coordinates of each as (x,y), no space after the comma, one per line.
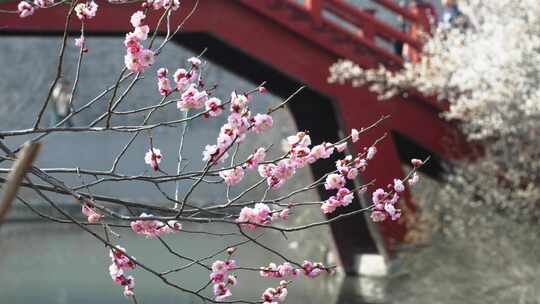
(378,216)
(154,228)
(153,157)
(132,40)
(360,164)
(255,158)
(120,259)
(392,211)
(354,135)
(262,122)
(286,270)
(162,72)
(345,196)
(259,215)
(192,99)
(142,32)
(238,102)
(416,162)
(300,139)
(221,292)
(334,181)
(80,42)
(222,279)
(371,152)
(159,4)
(181,78)
(25,9)
(378,196)
(91,214)
(133,62)
(195,61)
(137,18)
(342,198)
(210,152)
(213,106)
(147,58)
(164,86)
(398,185)
(311,269)
(414,179)
(341,147)
(233,176)
(86,11)
(284,214)
(43,3)
(121,262)
(275,295)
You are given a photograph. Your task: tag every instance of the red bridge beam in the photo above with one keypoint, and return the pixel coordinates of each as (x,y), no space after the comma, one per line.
(399,10)
(368,23)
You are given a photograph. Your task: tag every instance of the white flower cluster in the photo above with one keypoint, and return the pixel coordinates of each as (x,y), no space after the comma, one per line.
(489,73)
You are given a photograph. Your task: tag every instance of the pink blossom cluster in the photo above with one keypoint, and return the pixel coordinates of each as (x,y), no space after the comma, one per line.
(277,174)
(384,203)
(26,9)
(192,98)
(261,214)
(285,270)
(312,270)
(275,295)
(185,82)
(81,43)
(239,123)
(159,4)
(153,157)
(300,155)
(121,262)
(154,228)
(347,169)
(254,159)
(343,197)
(222,279)
(137,58)
(86,11)
(91,214)
(213,107)
(43,3)
(234,176)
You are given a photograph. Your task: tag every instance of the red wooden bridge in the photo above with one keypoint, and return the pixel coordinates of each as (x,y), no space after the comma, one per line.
(288,43)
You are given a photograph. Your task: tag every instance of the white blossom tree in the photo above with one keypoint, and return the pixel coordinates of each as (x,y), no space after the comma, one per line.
(488,73)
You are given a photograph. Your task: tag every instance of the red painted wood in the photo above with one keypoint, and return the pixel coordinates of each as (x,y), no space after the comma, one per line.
(396,8)
(364,19)
(299,48)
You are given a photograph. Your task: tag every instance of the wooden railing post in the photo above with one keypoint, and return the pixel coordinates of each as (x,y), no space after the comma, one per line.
(315,9)
(424,15)
(368,30)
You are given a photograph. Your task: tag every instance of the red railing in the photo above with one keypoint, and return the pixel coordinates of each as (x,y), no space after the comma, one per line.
(369,28)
